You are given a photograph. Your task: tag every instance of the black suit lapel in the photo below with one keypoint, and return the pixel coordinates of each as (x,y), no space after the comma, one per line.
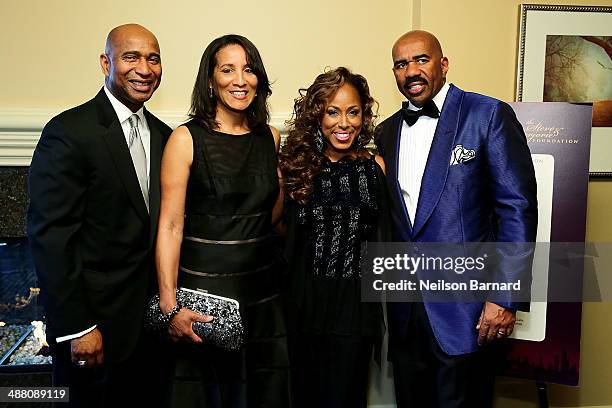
(154,176)
(438,160)
(115,141)
(392,142)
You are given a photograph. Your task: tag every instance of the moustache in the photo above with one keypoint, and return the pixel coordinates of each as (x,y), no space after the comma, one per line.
(409,81)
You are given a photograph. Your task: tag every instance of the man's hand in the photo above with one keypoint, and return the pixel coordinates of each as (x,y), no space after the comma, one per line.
(181,328)
(88,348)
(495,322)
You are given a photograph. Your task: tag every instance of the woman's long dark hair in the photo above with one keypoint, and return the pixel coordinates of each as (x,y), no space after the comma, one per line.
(204,107)
(300,161)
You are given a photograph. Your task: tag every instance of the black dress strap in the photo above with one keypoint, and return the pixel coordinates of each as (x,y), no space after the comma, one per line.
(196,144)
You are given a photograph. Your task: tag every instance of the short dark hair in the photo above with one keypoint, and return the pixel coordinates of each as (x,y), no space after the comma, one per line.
(204,107)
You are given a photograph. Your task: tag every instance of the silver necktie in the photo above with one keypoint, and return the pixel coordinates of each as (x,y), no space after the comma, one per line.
(139,158)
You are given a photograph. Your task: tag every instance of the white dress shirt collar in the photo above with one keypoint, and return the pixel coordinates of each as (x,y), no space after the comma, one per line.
(122,111)
(123,114)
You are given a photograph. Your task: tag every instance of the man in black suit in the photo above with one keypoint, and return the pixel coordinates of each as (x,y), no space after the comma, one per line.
(94,204)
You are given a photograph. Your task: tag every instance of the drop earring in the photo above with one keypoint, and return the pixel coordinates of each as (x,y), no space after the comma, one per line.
(359,139)
(319,141)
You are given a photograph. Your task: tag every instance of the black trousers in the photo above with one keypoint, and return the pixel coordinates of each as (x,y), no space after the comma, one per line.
(330,371)
(138,381)
(427,377)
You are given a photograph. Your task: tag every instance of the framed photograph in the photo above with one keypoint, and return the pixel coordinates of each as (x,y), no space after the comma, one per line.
(565,55)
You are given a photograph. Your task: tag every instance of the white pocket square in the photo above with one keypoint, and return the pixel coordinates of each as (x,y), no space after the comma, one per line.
(461,155)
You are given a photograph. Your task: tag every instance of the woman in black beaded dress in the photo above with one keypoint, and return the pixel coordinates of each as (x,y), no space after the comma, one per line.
(219,185)
(335,200)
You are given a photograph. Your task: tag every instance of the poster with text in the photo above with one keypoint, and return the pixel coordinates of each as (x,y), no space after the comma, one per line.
(546,347)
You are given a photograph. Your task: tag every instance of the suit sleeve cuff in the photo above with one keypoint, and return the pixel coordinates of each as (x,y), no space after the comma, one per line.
(514,306)
(76,335)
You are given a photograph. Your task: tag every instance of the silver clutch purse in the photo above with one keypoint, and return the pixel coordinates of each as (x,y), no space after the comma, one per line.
(225,331)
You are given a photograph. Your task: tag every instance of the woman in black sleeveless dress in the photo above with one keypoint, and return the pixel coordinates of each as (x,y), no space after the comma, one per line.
(336,200)
(219,190)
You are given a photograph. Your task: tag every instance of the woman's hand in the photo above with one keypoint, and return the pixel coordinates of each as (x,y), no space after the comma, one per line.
(181,325)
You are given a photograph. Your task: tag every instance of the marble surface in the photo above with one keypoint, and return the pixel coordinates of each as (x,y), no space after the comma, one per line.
(13,201)
(30,353)
(9,335)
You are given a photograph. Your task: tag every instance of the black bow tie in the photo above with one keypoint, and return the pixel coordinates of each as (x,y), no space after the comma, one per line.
(411,116)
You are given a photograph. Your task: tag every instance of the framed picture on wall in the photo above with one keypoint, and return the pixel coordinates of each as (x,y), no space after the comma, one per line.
(565,55)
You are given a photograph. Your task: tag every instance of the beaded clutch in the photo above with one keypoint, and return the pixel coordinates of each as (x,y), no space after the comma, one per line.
(224,331)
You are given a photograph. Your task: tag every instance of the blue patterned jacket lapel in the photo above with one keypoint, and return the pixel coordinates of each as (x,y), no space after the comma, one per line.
(438,161)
